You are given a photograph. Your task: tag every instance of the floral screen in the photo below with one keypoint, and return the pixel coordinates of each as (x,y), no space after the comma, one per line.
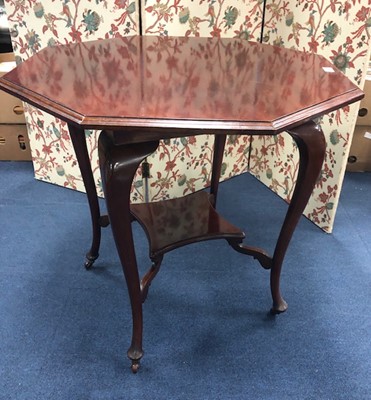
(339,30)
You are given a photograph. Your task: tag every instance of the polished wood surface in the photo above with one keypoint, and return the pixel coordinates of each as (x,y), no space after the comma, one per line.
(192,83)
(174,223)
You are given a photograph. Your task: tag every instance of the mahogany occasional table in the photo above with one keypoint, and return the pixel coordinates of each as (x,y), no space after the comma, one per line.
(139,90)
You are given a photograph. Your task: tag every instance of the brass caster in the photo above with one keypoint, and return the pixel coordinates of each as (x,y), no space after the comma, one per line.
(89,261)
(135,366)
(88,264)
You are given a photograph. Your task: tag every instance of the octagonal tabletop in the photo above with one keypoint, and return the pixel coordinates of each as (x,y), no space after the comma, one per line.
(194,83)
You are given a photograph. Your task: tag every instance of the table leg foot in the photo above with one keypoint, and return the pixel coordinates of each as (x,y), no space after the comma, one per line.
(279,308)
(135,365)
(135,354)
(89,260)
(104,221)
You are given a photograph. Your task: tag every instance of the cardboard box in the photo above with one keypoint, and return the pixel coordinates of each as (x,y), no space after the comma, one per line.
(11,108)
(359,159)
(7,57)
(14,143)
(364,113)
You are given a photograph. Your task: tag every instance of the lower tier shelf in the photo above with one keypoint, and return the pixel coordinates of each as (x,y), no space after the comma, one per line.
(170,224)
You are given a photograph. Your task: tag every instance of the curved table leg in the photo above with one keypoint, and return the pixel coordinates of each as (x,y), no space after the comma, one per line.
(82,155)
(147,279)
(312,148)
(219,145)
(118,166)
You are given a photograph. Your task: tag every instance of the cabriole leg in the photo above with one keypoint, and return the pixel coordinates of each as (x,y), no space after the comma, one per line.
(118,166)
(312,148)
(82,155)
(219,145)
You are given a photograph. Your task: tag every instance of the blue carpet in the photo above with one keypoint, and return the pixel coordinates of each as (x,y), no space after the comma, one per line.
(64,331)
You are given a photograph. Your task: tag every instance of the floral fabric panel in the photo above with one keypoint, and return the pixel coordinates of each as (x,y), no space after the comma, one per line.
(182,166)
(36,24)
(339,30)
(336,29)
(204,18)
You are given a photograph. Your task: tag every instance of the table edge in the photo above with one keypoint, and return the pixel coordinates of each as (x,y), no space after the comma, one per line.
(259,127)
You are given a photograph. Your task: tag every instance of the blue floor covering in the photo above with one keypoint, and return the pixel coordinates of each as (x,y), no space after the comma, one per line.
(64,331)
